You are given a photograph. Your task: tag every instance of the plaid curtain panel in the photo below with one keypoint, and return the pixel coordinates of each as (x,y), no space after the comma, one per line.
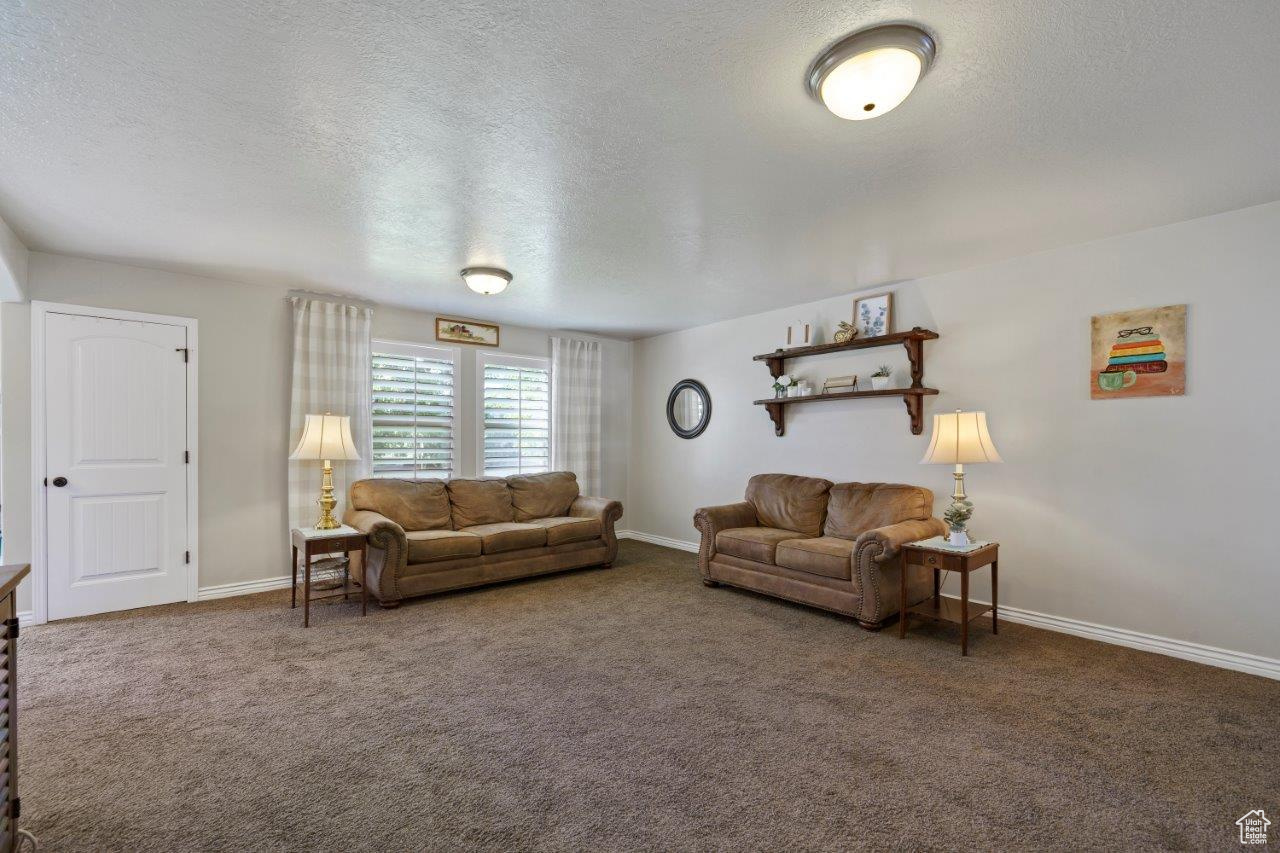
(575,411)
(331,373)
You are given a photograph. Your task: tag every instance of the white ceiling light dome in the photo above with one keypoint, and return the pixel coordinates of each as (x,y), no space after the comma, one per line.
(486,280)
(870,72)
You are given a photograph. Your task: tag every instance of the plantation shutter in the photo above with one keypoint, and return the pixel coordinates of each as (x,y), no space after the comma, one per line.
(516,414)
(413,409)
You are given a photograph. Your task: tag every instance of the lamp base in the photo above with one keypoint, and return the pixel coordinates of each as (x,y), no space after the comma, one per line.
(327,500)
(957,515)
(328,522)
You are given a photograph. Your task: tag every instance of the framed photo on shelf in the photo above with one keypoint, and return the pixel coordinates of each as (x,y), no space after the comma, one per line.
(466,332)
(873,315)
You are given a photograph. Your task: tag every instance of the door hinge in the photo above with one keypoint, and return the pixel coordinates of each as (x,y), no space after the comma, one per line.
(186,556)
(11,627)
(186,353)
(186,456)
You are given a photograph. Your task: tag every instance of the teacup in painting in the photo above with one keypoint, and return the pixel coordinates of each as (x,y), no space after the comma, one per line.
(1139,353)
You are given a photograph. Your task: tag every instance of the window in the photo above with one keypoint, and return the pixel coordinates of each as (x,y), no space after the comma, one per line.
(515,415)
(413,408)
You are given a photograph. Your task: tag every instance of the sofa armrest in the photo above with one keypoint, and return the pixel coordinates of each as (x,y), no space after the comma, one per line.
(608,511)
(884,543)
(877,566)
(710,520)
(387,554)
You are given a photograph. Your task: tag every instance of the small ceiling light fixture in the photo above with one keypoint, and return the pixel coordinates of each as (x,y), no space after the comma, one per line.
(870,72)
(486,280)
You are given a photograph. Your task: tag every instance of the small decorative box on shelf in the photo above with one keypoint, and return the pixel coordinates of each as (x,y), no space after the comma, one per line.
(912,396)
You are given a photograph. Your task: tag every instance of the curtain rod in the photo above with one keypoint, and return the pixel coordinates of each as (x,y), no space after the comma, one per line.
(330,297)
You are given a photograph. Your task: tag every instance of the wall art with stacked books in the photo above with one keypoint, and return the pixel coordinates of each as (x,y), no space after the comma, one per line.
(1139,353)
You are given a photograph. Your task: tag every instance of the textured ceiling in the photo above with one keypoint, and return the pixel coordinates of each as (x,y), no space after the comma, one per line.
(640,165)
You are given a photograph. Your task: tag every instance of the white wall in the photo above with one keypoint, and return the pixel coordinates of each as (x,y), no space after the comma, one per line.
(13,265)
(1153,515)
(244,401)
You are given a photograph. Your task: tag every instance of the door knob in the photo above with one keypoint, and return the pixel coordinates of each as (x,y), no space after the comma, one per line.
(59,481)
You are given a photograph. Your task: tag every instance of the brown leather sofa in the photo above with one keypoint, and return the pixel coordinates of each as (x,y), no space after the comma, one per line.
(429,536)
(834,546)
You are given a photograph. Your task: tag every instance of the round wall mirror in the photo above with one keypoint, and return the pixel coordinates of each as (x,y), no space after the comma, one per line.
(689,408)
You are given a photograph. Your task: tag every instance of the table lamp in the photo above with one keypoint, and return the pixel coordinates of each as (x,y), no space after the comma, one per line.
(325,438)
(960,438)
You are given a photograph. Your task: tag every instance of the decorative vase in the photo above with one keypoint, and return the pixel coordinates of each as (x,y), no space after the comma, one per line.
(779,393)
(879,383)
(958,538)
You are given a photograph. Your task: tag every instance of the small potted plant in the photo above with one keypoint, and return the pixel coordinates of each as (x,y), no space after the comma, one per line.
(780,385)
(957,518)
(880,379)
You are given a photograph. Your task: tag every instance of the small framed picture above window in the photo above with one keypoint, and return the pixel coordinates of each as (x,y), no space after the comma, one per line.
(466,332)
(873,315)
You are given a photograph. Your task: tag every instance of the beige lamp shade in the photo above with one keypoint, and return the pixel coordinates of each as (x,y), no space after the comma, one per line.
(326,437)
(960,438)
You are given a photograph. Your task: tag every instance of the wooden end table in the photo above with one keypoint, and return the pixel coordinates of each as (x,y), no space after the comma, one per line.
(938,555)
(309,542)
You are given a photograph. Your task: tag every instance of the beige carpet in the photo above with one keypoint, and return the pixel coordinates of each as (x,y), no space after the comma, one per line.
(622,709)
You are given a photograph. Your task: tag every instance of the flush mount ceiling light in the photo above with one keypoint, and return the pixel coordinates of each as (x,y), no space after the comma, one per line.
(870,72)
(486,280)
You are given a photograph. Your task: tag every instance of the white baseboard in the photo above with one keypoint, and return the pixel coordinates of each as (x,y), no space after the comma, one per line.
(1211,655)
(678,544)
(227,590)
(26,617)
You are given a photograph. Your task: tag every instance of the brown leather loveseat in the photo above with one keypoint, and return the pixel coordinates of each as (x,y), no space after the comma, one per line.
(834,546)
(429,536)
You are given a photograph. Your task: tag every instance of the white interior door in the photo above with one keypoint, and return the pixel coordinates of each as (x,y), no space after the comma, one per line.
(115,464)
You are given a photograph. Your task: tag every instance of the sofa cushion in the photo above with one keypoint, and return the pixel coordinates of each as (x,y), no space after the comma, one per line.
(428,546)
(486,501)
(508,536)
(753,543)
(856,508)
(562,529)
(788,502)
(826,556)
(535,496)
(412,504)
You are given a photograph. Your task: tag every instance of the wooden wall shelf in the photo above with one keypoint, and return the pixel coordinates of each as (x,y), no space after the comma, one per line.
(913,396)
